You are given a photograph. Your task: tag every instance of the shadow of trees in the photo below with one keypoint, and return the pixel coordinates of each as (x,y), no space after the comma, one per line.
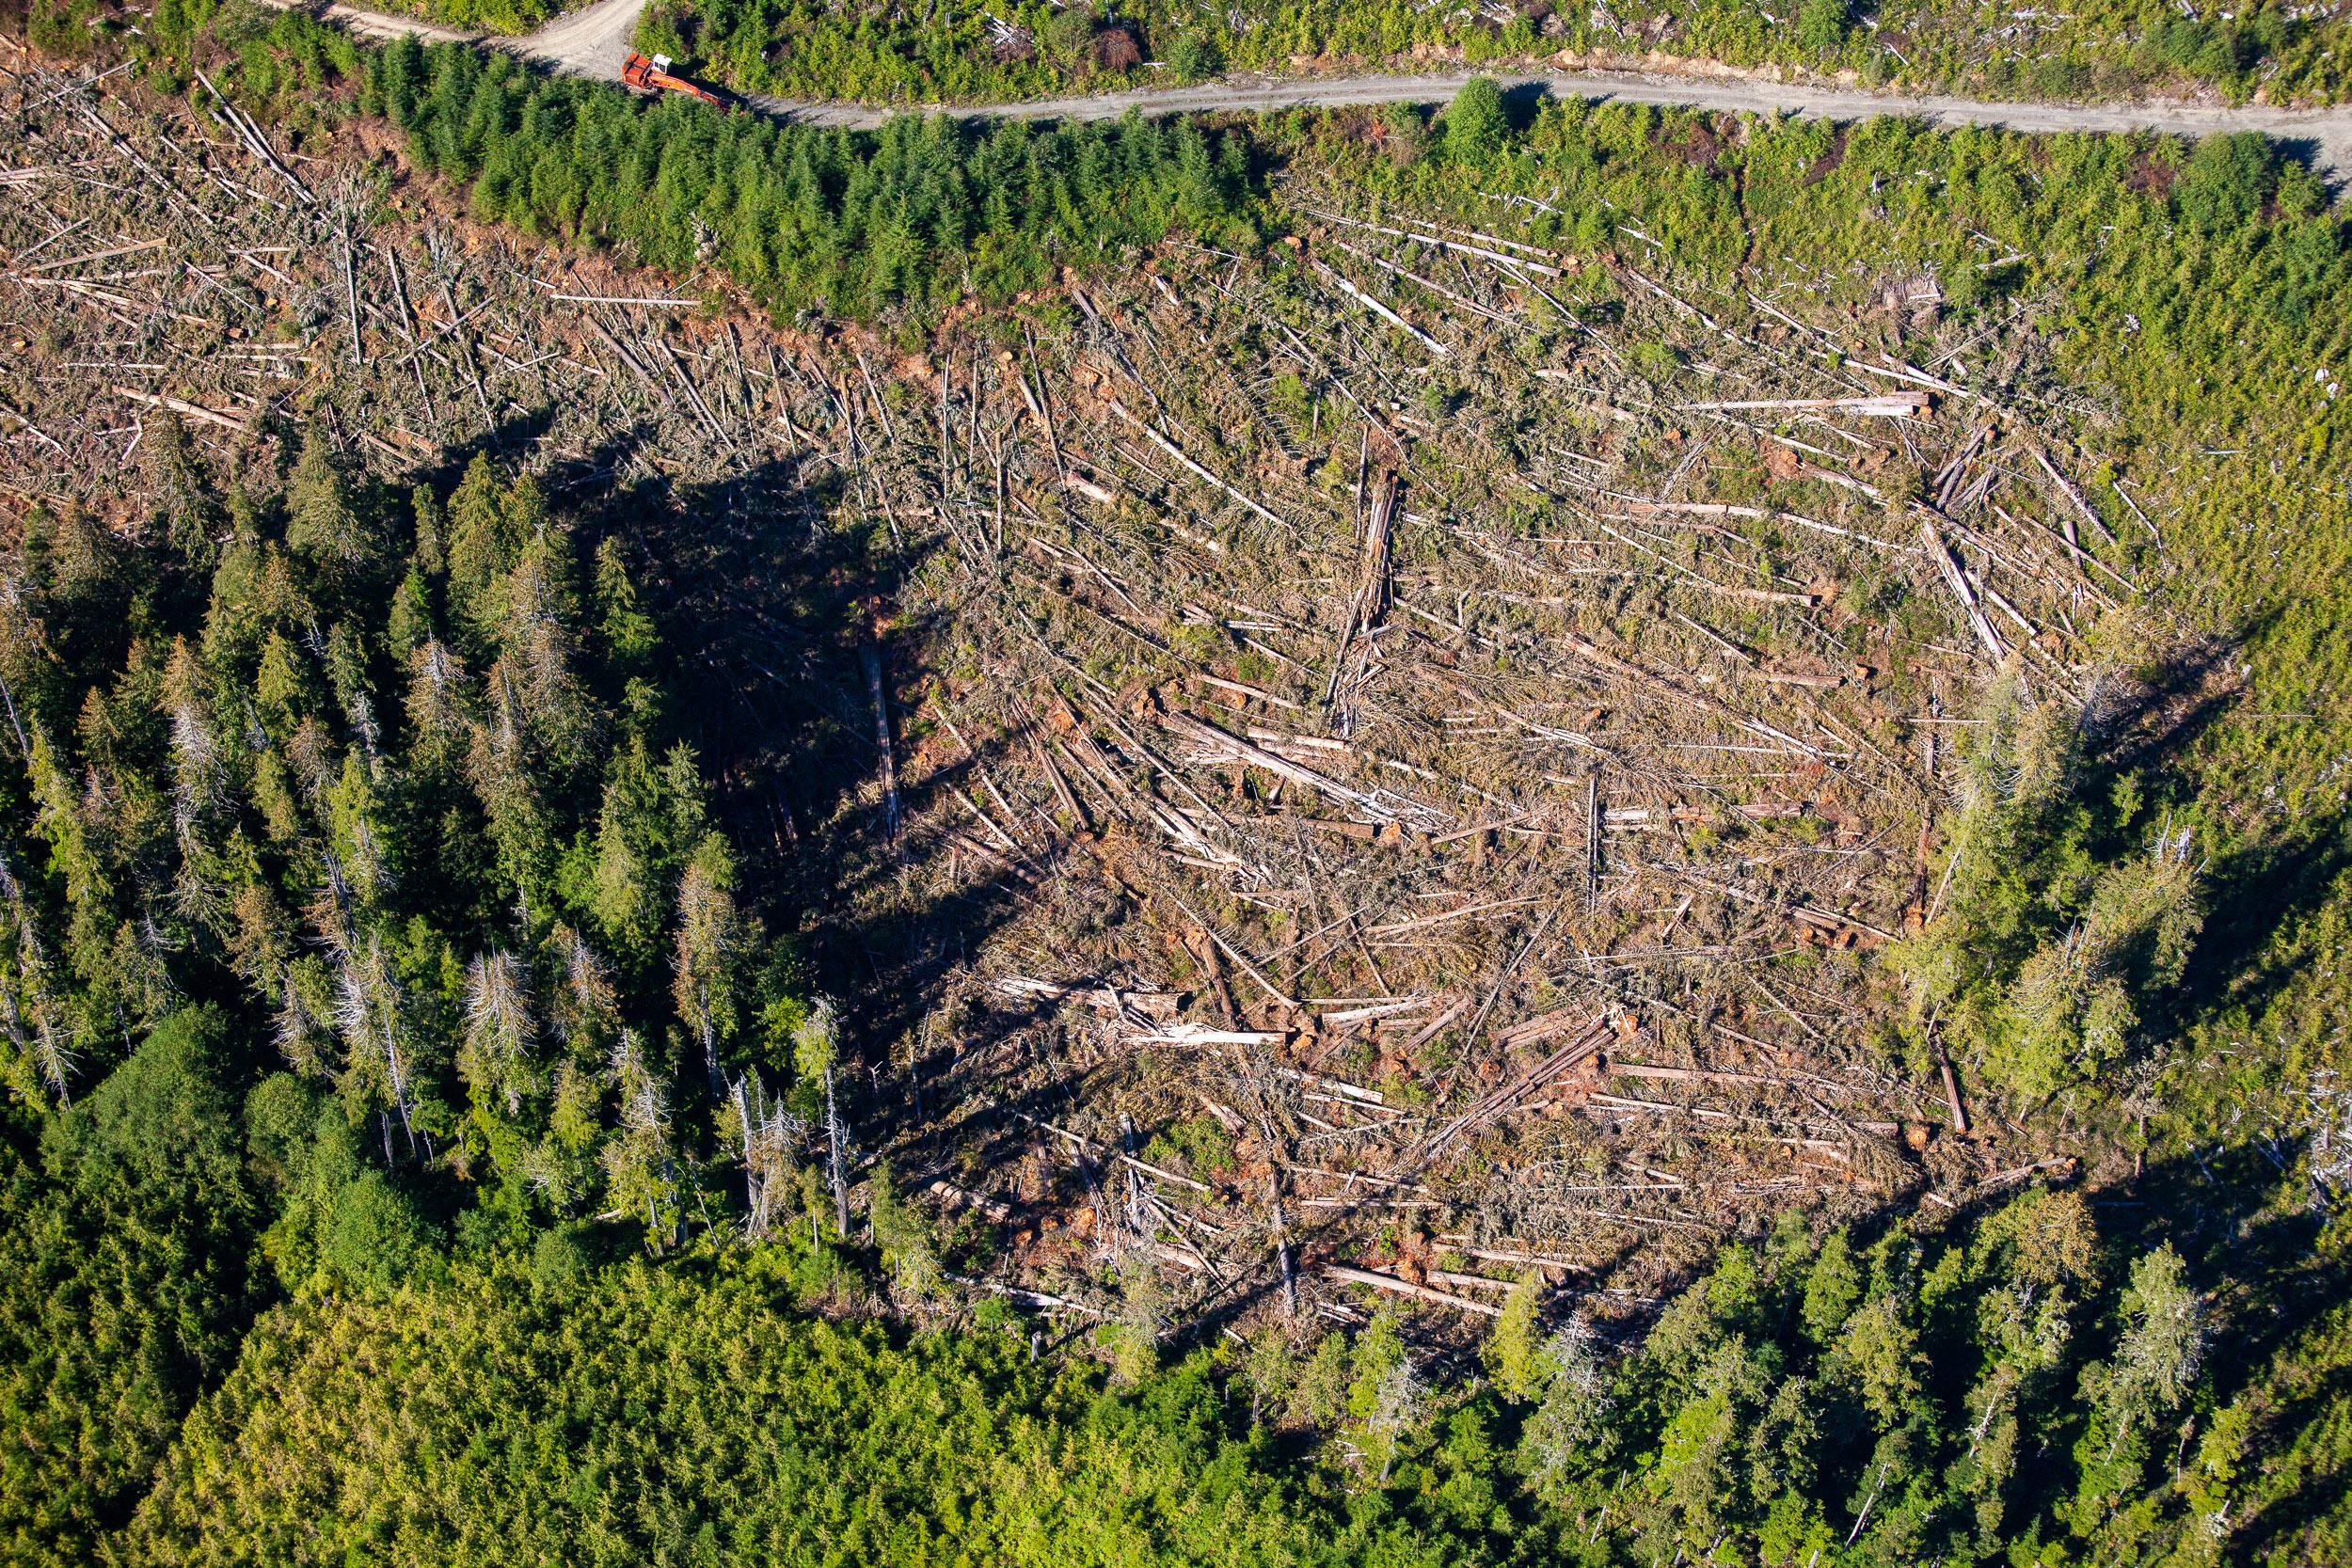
(770,605)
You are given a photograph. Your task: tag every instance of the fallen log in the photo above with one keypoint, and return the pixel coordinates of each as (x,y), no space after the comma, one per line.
(1596,1035)
(2067,488)
(1473,1281)
(1156,1004)
(1528,1031)
(1821,920)
(1685,1074)
(1202,1034)
(177,407)
(1544,268)
(1380,1009)
(1027,1298)
(1087,1146)
(870,654)
(1377,309)
(964,1198)
(1931,539)
(1499,1255)
(1407,1287)
(1896,405)
(1346,1090)
(1218,745)
(1194,468)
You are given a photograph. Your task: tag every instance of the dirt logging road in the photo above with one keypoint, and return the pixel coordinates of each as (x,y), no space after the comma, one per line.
(592,41)
(595,42)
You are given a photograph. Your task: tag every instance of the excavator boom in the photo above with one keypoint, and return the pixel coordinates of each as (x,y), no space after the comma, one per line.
(654,75)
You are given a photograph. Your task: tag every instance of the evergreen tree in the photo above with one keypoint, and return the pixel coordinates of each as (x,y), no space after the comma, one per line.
(323,524)
(1476,126)
(710,939)
(186,511)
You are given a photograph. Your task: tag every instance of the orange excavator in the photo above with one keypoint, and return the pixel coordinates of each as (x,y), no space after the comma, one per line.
(654,75)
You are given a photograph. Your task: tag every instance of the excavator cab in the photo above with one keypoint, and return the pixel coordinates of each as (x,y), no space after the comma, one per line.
(654,75)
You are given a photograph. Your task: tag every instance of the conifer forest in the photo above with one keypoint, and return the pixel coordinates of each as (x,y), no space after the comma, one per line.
(1516,831)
